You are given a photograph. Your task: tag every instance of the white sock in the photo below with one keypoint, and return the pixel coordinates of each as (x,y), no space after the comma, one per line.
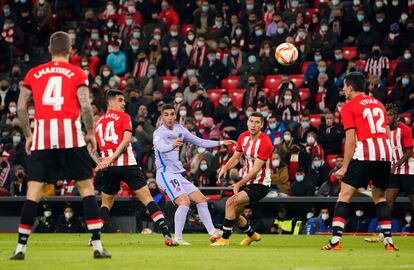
(97,245)
(20,248)
(179,220)
(388,240)
(205,217)
(335,239)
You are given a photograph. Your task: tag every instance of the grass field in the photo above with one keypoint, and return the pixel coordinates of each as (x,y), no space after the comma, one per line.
(135,251)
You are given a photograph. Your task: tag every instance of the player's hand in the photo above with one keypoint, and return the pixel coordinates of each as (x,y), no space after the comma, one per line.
(236,187)
(222,173)
(393,168)
(103,164)
(340,173)
(91,143)
(29,141)
(229,142)
(178,143)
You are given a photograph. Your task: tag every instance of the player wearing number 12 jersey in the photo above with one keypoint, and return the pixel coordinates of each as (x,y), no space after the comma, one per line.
(61,97)
(367,156)
(114,132)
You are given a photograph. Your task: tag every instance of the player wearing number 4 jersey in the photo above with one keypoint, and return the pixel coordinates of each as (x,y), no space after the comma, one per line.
(257,150)
(113,133)
(367,156)
(61,97)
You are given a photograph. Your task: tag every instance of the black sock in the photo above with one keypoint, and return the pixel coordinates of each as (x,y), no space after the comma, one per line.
(91,212)
(384,218)
(104,213)
(227,228)
(247,230)
(158,217)
(27,219)
(340,216)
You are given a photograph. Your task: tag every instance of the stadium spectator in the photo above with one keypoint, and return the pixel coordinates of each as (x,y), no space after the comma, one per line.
(358,223)
(16,148)
(405,64)
(254,220)
(407,223)
(302,185)
(366,39)
(318,172)
(312,146)
(402,94)
(331,187)
(375,89)
(204,176)
(285,225)
(323,92)
(222,109)
(229,126)
(377,64)
(47,222)
(319,224)
(117,60)
(19,185)
(7,95)
(274,130)
(213,71)
(68,222)
(280,175)
(151,82)
(6,174)
(330,135)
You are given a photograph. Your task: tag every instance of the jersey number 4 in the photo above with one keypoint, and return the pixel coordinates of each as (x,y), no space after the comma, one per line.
(375,127)
(110,134)
(53,93)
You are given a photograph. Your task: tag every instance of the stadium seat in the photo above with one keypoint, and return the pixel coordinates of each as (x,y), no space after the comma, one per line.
(308,14)
(230,82)
(350,53)
(272,82)
(213,197)
(166,83)
(271,93)
(331,160)
(304,94)
(185,28)
(122,84)
(305,66)
(361,64)
(297,79)
(315,120)
(215,95)
(236,96)
(406,117)
(393,65)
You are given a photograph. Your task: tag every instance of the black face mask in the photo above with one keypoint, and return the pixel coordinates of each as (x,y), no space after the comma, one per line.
(4,88)
(251,84)
(262,99)
(376,53)
(154,191)
(201,98)
(3,164)
(133,99)
(153,47)
(20,175)
(193,88)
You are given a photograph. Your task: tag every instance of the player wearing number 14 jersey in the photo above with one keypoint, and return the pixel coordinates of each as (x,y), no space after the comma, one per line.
(367,156)
(61,97)
(113,133)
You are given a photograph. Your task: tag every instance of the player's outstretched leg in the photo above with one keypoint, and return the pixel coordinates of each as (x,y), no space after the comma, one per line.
(340,215)
(384,218)
(159,219)
(245,227)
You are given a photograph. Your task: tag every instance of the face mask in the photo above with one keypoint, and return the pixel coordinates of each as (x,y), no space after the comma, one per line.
(304,124)
(408,219)
(224,101)
(110,24)
(94,36)
(68,215)
(265,114)
(17,139)
(322,69)
(203,167)
(178,99)
(136,34)
(248,113)
(201,150)
(249,7)
(280,31)
(31,112)
(394,3)
(12,109)
(211,58)
(200,43)
(131,9)
(287,137)
(238,32)
(405,81)
(128,22)
(5,134)
(270,8)
(272,126)
(6,12)
(174,86)
(84,63)
(360,18)
(174,50)
(191,37)
(404,17)
(106,73)
(356,2)
(380,20)
(407,56)
(151,72)
(252,59)
(338,57)
(275,163)
(198,117)
(310,140)
(317,58)
(299,178)
(204,9)
(218,24)
(94,53)
(288,97)
(234,52)
(366,28)
(295,4)
(47,213)
(379,4)
(157,37)
(359,213)
(317,164)
(325,216)
(335,2)
(174,34)
(309,215)
(134,48)
(183,113)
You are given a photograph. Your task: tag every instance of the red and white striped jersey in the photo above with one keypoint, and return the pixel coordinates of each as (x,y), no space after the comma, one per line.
(259,148)
(109,133)
(369,119)
(401,138)
(54,87)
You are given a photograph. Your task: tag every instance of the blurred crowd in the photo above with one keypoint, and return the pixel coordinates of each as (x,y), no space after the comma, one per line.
(214,61)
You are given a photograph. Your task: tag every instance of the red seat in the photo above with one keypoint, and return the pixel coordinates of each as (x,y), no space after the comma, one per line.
(271,93)
(213,197)
(272,82)
(406,117)
(361,64)
(393,65)
(166,83)
(185,28)
(350,53)
(305,66)
(215,95)
(297,79)
(315,120)
(304,94)
(230,82)
(308,14)
(236,96)
(331,160)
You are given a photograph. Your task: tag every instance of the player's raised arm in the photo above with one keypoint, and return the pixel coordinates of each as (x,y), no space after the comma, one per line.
(204,143)
(87,117)
(23,115)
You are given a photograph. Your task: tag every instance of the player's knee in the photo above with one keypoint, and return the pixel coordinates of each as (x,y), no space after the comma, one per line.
(230,202)
(183,200)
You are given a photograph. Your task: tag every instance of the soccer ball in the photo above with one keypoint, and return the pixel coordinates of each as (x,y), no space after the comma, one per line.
(286,54)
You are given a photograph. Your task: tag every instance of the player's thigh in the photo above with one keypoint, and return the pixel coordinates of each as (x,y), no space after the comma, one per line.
(255,192)
(170,183)
(134,178)
(358,174)
(197,197)
(76,163)
(43,166)
(346,193)
(107,181)
(34,191)
(238,200)
(381,172)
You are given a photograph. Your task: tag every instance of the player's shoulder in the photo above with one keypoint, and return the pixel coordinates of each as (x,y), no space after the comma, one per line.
(244,135)
(265,139)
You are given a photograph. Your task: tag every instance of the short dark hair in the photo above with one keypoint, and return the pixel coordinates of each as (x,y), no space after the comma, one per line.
(167,107)
(257,114)
(59,43)
(356,80)
(391,107)
(113,93)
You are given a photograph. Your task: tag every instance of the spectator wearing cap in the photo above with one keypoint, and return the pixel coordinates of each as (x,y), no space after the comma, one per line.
(6,96)
(19,185)
(117,60)
(151,82)
(326,40)
(213,71)
(204,17)
(6,174)
(392,43)
(302,185)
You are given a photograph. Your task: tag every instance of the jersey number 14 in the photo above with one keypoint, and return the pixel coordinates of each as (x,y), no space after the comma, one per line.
(109,135)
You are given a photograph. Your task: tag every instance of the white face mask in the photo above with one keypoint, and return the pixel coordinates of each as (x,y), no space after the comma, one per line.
(200,43)
(359,213)
(47,213)
(174,86)
(68,215)
(288,97)
(287,138)
(178,99)
(317,164)
(309,215)
(12,109)
(183,113)
(201,150)
(203,167)
(106,73)
(310,140)
(408,219)
(31,112)
(325,216)
(198,117)
(238,32)
(275,163)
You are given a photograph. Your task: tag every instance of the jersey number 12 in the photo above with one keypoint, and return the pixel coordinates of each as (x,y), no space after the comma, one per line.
(375,127)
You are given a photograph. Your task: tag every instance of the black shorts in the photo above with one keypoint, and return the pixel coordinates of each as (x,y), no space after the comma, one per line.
(60,164)
(403,182)
(108,181)
(256,192)
(360,172)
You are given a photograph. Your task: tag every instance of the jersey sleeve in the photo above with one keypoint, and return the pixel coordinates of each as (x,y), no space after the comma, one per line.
(240,143)
(83,79)
(407,140)
(265,150)
(126,122)
(27,82)
(347,117)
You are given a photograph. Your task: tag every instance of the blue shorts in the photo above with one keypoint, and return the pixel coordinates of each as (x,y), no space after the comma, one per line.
(174,184)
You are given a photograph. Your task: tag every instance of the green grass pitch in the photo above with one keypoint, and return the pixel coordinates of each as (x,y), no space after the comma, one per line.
(135,251)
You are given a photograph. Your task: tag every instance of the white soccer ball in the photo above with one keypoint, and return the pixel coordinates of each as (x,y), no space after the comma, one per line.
(286,54)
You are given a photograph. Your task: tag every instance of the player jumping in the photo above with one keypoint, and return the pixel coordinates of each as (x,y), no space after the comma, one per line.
(257,150)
